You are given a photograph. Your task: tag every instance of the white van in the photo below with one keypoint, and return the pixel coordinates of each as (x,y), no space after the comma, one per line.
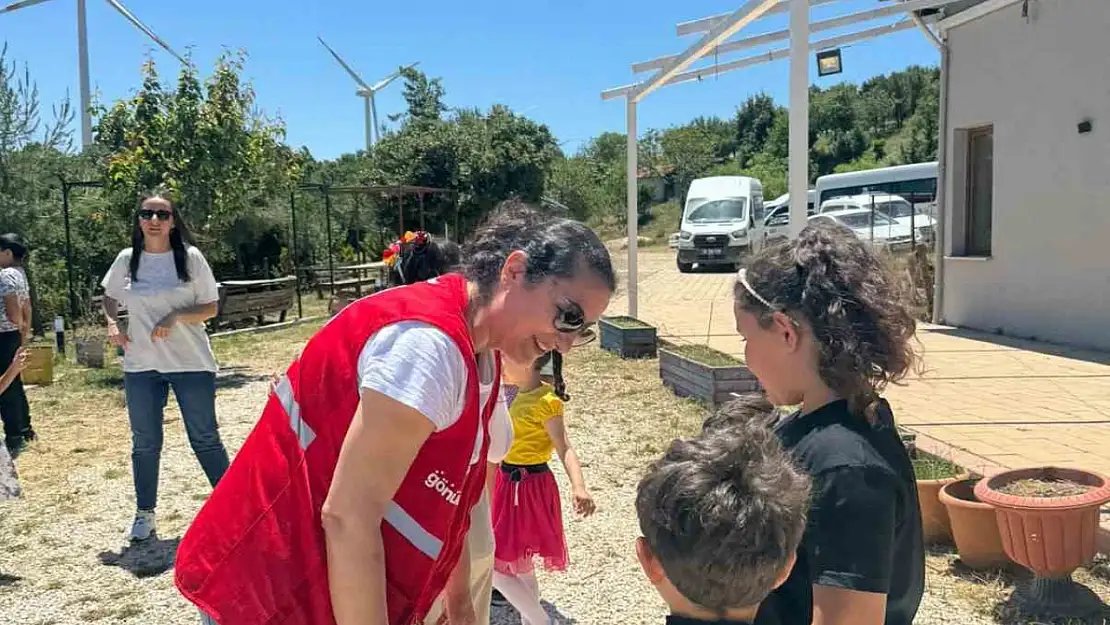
(721,223)
(776,217)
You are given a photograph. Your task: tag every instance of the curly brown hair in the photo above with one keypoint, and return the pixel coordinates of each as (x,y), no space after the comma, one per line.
(855,308)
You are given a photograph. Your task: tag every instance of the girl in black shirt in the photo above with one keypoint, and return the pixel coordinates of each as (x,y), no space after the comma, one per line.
(825,328)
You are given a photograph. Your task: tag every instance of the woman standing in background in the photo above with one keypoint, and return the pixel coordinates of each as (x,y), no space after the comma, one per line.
(169,291)
(15,330)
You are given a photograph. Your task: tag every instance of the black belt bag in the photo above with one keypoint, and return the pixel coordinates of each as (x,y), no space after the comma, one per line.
(516,472)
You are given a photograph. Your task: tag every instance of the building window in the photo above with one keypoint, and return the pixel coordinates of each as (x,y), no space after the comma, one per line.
(979,188)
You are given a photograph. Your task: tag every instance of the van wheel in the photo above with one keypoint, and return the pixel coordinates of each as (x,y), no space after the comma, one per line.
(685,267)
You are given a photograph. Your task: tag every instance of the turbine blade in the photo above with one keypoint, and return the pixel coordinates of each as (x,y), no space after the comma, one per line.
(338,58)
(143,27)
(388,79)
(15,6)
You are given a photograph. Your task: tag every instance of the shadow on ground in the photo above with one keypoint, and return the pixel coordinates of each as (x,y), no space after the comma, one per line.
(143,559)
(229,377)
(1031,345)
(1016,579)
(507,615)
(7,579)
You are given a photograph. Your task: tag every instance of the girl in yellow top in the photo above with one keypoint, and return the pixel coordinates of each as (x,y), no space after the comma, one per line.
(527,515)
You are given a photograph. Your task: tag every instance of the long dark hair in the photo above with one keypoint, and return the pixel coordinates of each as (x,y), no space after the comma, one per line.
(179,238)
(558,384)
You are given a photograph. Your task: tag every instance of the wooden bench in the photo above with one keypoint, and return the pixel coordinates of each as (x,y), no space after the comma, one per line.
(354,280)
(246,299)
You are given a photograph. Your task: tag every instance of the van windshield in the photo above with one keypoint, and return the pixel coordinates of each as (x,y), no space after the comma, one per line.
(702,210)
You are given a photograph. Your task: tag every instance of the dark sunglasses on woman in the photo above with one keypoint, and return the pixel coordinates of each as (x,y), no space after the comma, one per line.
(148,214)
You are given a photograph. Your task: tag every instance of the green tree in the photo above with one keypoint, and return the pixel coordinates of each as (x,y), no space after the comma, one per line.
(220,159)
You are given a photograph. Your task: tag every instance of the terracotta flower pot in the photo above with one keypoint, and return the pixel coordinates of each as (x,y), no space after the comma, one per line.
(934,517)
(974,526)
(1051,536)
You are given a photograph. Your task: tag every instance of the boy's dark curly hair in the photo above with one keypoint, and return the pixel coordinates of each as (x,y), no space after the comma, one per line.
(723,513)
(833,282)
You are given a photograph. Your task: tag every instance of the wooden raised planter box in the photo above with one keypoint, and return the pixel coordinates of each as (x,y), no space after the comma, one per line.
(628,337)
(704,374)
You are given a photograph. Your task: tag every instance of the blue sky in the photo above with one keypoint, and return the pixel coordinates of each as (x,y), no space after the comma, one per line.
(547,59)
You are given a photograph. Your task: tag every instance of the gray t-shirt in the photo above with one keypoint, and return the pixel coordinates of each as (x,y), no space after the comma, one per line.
(12,280)
(152,297)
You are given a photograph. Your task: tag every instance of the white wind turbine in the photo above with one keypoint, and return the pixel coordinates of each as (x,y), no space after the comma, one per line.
(367,93)
(83,53)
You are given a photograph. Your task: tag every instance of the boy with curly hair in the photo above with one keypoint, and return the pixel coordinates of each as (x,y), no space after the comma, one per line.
(721,514)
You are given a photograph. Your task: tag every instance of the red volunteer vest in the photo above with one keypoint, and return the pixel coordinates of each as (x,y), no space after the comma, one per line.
(255,554)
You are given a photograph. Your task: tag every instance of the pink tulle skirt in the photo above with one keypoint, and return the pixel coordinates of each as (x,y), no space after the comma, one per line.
(528,523)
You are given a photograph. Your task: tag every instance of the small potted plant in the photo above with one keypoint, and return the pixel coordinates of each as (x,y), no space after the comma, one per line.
(90,342)
(1048,518)
(974,526)
(628,337)
(703,373)
(932,474)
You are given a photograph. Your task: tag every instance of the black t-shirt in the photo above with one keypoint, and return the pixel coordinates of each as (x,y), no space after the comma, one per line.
(864,529)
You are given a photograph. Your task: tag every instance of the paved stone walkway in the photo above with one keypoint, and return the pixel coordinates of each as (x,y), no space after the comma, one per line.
(985,401)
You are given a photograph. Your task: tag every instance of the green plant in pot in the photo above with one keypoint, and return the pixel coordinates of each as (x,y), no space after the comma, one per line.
(932,474)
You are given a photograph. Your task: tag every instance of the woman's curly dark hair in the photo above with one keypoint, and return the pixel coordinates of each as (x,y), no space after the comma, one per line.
(835,283)
(556,248)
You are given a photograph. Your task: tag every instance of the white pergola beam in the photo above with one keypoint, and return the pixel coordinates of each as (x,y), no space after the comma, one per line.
(974,13)
(784,34)
(707,23)
(767,57)
(751,11)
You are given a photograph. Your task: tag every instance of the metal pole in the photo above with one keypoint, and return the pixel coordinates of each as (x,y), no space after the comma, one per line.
(421,196)
(293,252)
(327,219)
(799,114)
(633,213)
(400,214)
(83,62)
(69,252)
(940,224)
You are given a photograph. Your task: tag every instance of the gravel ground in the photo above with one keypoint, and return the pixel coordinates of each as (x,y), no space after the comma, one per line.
(64,558)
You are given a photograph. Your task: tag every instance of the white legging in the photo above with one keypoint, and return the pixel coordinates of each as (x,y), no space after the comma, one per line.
(523,592)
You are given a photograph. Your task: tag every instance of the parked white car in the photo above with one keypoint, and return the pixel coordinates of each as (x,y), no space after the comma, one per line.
(880,230)
(893,206)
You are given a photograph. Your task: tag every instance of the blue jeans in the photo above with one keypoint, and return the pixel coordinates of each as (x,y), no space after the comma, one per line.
(147,392)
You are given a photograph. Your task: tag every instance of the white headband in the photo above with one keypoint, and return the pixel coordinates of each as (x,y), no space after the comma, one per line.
(742,279)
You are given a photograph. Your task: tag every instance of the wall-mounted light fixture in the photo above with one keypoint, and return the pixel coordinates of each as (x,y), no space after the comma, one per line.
(828,62)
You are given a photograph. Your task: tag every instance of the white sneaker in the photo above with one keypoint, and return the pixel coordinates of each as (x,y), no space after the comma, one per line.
(143,526)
